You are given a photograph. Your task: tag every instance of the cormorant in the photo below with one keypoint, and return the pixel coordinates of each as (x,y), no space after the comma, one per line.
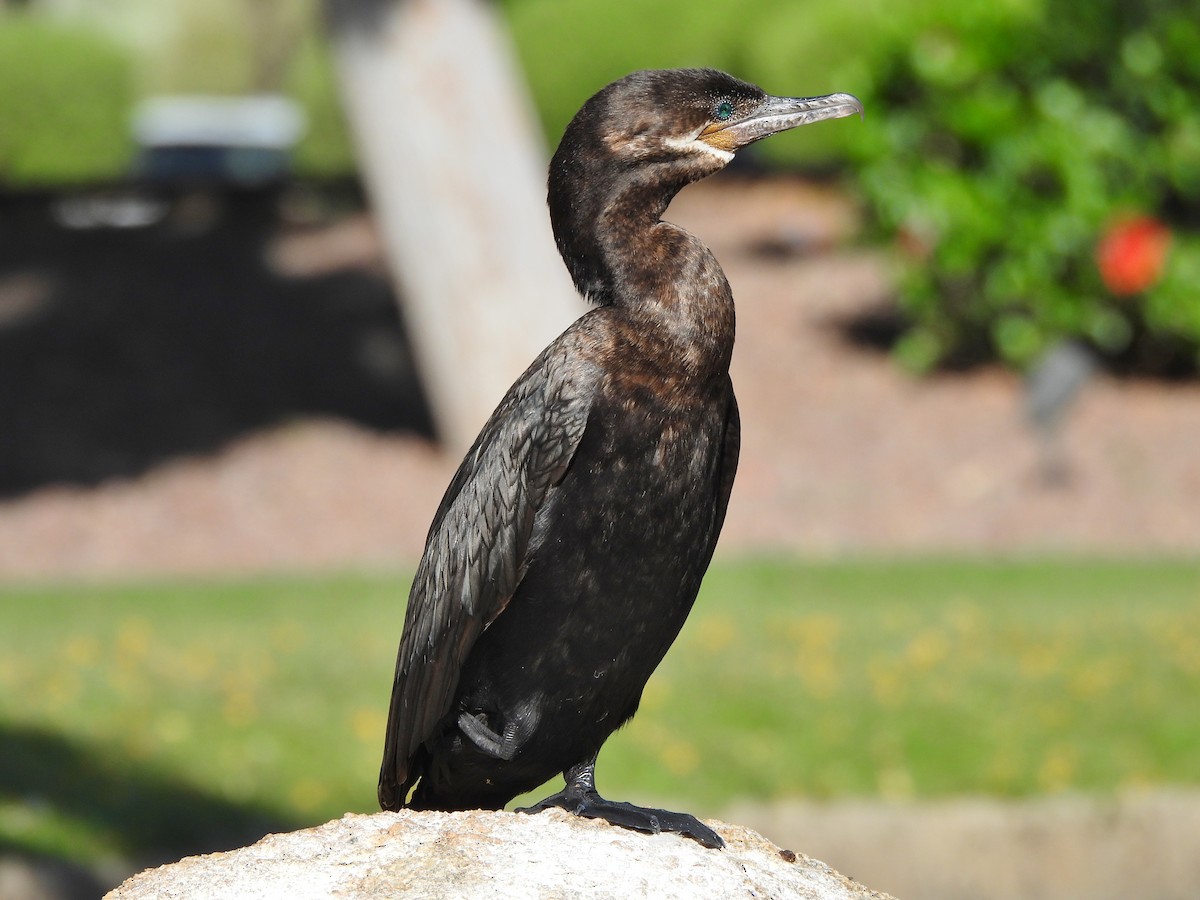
(570,544)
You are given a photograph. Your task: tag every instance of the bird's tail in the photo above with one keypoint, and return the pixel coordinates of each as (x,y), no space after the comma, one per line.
(396,776)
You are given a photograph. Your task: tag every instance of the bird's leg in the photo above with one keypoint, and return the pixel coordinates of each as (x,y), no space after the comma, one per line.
(580,797)
(502,746)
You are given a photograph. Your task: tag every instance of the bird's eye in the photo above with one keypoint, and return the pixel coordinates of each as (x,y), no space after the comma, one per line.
(723,111)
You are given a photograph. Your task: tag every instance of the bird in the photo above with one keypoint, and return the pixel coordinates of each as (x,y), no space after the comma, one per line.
(571,542)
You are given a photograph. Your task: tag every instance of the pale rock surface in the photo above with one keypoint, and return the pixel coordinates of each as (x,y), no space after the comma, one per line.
(431,855)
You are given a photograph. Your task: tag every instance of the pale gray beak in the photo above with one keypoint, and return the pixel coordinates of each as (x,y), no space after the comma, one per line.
(777,114)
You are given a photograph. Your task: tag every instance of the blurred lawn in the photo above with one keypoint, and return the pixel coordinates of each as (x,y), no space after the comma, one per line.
(261,704)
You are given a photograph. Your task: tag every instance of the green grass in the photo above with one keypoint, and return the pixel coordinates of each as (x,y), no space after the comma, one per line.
(161,719)
(919,679)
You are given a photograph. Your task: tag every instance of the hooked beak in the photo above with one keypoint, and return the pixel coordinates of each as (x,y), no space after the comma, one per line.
(778,114)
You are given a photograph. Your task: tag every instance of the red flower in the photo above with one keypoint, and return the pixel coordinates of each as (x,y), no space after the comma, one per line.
(1131,254)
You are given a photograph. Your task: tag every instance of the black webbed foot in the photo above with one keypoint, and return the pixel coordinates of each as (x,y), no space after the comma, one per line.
(580,797)
(652,821)
(500,746)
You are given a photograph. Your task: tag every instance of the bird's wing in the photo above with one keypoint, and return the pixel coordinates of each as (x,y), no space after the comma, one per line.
(730,451)
(475,554)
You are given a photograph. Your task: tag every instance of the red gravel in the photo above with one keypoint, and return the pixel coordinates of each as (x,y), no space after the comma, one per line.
(842,452)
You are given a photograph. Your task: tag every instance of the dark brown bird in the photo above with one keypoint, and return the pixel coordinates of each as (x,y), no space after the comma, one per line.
(570,544)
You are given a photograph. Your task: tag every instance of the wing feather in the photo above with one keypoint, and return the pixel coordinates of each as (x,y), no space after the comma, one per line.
(476,549)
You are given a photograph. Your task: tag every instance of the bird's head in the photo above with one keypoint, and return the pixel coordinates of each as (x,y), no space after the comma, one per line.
(636,142)
(691,119)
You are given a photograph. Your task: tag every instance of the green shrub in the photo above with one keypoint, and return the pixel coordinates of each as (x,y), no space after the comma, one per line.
(1003,149)
(65,98)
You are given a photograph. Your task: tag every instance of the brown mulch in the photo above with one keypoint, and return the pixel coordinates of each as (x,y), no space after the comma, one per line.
(842,452)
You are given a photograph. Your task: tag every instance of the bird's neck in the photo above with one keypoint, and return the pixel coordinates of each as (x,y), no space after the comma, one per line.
(622,254)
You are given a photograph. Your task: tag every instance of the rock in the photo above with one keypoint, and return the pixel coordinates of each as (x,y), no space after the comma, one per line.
(431,855)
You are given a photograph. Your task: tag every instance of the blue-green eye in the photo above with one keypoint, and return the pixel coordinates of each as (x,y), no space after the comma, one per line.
(724,111)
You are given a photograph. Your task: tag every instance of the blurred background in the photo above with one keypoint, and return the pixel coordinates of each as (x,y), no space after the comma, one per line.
(951,640)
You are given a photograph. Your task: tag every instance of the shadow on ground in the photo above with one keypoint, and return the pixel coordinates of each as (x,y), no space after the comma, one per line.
(56,788)
(123,347)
